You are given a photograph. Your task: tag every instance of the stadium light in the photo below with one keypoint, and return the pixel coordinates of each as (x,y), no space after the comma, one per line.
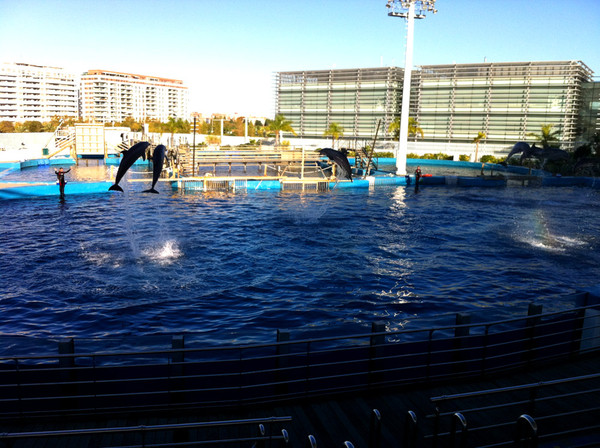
(410,10)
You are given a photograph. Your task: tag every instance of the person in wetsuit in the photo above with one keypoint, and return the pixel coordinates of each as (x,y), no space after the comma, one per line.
(60,175)
(417,178)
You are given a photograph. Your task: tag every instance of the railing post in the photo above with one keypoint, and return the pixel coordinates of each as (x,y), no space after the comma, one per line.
(260,442)
(410,429)
(530,440)
(375,429)
(460,335)
(177,343)
(283,350)
(376,351)
(436,427)
(67,374)
(587,335)
(285,441)
(534,313)
(460,419)
(177,370)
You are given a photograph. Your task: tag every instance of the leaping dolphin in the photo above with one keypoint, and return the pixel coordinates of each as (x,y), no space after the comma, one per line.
(158,159)
(129,157)
(340,159)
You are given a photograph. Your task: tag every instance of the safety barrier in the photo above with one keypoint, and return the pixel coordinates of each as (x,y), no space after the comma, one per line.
(564,407)
(182,377)
(180,434)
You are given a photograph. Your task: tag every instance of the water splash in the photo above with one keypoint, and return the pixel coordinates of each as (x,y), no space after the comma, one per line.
(165,252)
(129,223)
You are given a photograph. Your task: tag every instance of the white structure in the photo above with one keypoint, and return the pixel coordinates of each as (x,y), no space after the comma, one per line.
(113,96)
(37,93)
(406,9)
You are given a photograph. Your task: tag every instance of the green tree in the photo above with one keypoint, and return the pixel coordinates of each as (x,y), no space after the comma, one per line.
(546,136)
(176,125)
(6,127)
(30,126)
(280,124)
(335,130)
(413,128)
(132,124)
(476,140)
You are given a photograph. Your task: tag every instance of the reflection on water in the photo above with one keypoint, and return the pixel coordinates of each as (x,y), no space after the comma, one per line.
(237,267)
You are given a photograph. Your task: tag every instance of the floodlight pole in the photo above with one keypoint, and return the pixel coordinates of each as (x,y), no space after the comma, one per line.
(405,108)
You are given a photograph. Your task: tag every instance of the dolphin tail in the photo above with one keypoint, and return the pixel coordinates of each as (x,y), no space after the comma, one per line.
(115,187)
(151,190)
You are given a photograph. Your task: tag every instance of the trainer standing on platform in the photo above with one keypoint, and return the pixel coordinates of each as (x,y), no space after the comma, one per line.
(60,175)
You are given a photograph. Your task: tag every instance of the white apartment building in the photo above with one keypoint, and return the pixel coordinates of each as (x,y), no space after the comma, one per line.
(37,93)
(108,97)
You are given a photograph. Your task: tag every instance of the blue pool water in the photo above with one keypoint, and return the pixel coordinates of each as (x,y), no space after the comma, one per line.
(235,267)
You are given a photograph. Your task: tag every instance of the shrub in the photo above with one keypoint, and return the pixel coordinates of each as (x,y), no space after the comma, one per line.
(464,158)
(491,159)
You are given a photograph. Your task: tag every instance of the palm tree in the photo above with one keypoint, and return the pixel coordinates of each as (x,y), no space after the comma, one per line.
(335,130)
(476,140)
(547,135)
(413,128)
(279,125)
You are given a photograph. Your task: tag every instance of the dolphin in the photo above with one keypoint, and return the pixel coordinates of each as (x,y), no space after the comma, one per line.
(340,159)
(129,157)
(519,147)
(158,159)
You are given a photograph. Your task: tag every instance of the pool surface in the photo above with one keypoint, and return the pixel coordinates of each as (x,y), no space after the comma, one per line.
(234,268)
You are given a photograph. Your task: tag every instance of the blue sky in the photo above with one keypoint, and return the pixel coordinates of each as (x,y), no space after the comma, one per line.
(227,51)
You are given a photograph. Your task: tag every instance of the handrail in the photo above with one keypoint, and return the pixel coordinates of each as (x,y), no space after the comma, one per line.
(224,348)
(410,430)
(214,376)
(514,388)
(375,429)
(460,421)
(127,429)
(526,431)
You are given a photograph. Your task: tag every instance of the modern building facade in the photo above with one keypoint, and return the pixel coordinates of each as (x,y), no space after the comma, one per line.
(37,93)
(452,103)
(108,97)
(589,116)
(355,98)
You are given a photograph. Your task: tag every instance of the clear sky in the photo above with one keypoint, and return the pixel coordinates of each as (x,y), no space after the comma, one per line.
(226,51)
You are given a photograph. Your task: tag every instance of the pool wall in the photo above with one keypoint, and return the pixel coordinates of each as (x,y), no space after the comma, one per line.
(15,190)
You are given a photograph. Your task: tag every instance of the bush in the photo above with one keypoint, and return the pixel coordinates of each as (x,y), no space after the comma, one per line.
(491,159)
(465,158)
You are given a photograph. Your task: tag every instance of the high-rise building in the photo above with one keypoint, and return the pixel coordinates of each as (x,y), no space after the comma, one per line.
(112,97)
(37,93)
(451,103)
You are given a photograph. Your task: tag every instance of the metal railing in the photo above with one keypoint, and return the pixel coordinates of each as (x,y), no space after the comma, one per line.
(180,434)
(180,377)
(561,407)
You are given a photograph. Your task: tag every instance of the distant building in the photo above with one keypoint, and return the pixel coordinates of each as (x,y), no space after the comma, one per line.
(37,93)
(452,103)
(355,98)
(108,97)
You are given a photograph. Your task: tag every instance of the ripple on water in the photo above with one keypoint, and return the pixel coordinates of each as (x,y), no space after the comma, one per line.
(237,267)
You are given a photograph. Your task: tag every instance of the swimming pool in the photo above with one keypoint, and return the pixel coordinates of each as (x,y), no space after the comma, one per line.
(234,268)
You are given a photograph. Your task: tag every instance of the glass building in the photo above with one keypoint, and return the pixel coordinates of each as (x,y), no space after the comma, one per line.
(452,103)
(356,99)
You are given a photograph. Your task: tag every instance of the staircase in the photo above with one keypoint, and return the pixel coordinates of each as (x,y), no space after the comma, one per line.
(64,140)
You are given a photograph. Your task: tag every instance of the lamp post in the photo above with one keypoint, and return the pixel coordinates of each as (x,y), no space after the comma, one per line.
(410,10)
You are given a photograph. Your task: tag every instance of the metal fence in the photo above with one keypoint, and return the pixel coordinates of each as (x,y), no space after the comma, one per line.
(182,377)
